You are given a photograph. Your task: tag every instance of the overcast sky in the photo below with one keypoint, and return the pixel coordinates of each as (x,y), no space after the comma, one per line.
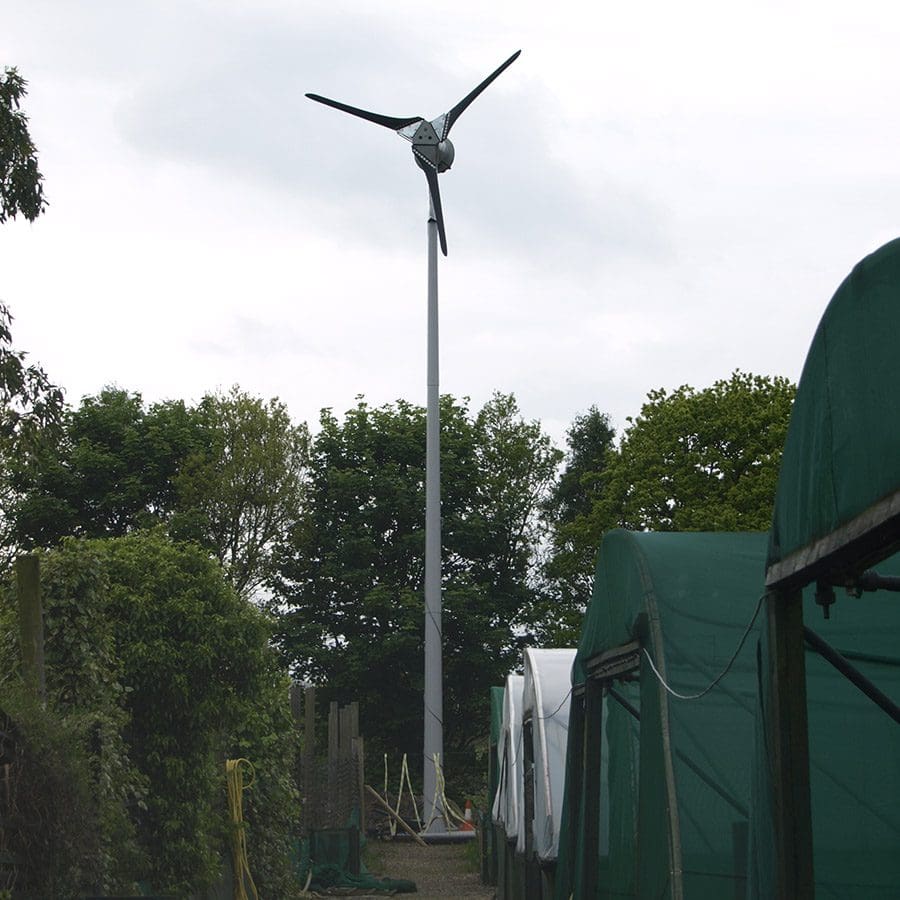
(654,194)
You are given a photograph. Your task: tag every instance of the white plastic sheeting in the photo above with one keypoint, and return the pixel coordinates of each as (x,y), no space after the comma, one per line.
(545,702)
(507,808)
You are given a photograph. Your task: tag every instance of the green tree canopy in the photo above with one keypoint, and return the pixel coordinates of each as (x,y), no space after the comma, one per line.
(350,590)
(31,410)
(227,474)
(245,487)
(21,183)
(572,546)
(111,471)
(699,460)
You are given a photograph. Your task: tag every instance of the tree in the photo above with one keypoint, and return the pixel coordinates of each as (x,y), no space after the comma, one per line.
(226,473)
(350,586)
(21,183)
(244,489)
(31,409)
(569,565)
(699,460)
(112,470)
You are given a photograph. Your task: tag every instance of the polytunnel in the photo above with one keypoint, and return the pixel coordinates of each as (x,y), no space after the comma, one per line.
(507,806)
(827,764)
(545,727)
(657,788)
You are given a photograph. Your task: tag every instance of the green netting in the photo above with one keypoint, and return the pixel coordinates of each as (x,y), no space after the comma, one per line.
(489,849)
(854,750)
(496,714)
(328,860)
(687,789)
(842,452)
(674,799)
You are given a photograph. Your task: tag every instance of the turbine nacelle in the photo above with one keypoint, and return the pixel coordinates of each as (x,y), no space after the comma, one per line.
(431,147)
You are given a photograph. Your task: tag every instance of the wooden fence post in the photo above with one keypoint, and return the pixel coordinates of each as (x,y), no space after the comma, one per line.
(31,623)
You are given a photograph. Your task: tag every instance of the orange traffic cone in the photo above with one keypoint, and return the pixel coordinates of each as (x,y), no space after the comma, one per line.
(468,824)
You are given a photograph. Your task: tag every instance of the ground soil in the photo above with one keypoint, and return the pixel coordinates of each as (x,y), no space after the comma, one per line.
(439,870)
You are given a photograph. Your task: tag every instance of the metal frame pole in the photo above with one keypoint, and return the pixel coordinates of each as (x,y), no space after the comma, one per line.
(434,698)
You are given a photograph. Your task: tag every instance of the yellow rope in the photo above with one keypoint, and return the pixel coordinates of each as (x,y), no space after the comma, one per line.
(234,777)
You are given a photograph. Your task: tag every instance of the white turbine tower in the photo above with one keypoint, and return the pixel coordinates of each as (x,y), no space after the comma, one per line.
(434,154)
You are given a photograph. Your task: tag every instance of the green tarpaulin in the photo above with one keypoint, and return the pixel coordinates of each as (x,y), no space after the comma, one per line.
(854,750)
(674,785)
(842,453)
(837,512)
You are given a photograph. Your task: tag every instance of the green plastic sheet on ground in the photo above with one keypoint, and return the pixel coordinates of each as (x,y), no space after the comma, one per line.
(854,750)
(675,783)
(842,453)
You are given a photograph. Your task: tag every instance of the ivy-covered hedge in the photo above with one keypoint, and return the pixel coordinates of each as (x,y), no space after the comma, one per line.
(172,672)
(50,818)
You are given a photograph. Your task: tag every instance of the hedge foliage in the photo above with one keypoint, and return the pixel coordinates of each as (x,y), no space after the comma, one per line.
(168,673)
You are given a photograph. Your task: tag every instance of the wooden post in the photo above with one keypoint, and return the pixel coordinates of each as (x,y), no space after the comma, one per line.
(344,732)
(333,731)
(333,745)
(31,623)
(593,742)
(789,746)
(361,778)
(309,733)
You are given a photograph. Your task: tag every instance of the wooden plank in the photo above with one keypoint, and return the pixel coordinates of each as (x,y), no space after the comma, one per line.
(333,732)
(361,781)
(786,726)
(309,726)
(31,623)
(398,819)
(862,542)
(333,737)
(344,733)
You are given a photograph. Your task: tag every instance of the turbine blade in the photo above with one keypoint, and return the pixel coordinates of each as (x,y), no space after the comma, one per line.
(434,191)
(395,124)
(460,107)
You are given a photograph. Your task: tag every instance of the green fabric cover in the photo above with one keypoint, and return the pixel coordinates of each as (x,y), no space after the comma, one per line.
(496,714)
(701,591)
(842,452)
(854,750)
(689,597)
(489,847)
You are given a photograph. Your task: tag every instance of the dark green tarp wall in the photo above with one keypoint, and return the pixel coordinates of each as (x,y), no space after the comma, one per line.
(854,750)
(675,797)
(837,511)
(842,452)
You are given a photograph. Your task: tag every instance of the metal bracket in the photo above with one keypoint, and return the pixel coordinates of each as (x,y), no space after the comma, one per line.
(615,663)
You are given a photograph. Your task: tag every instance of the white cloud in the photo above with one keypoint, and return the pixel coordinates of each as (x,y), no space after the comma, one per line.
(651,195)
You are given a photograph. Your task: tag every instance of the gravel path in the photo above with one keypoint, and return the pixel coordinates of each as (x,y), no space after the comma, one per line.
(439,870)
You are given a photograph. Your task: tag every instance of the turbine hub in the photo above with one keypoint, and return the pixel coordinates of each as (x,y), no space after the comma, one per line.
(434,156)
(445,155)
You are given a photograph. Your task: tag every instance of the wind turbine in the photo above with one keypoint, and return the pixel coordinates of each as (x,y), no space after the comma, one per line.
(434,154)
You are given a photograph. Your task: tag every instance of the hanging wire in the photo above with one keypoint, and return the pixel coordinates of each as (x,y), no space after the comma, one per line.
(558,708)
(721,674)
